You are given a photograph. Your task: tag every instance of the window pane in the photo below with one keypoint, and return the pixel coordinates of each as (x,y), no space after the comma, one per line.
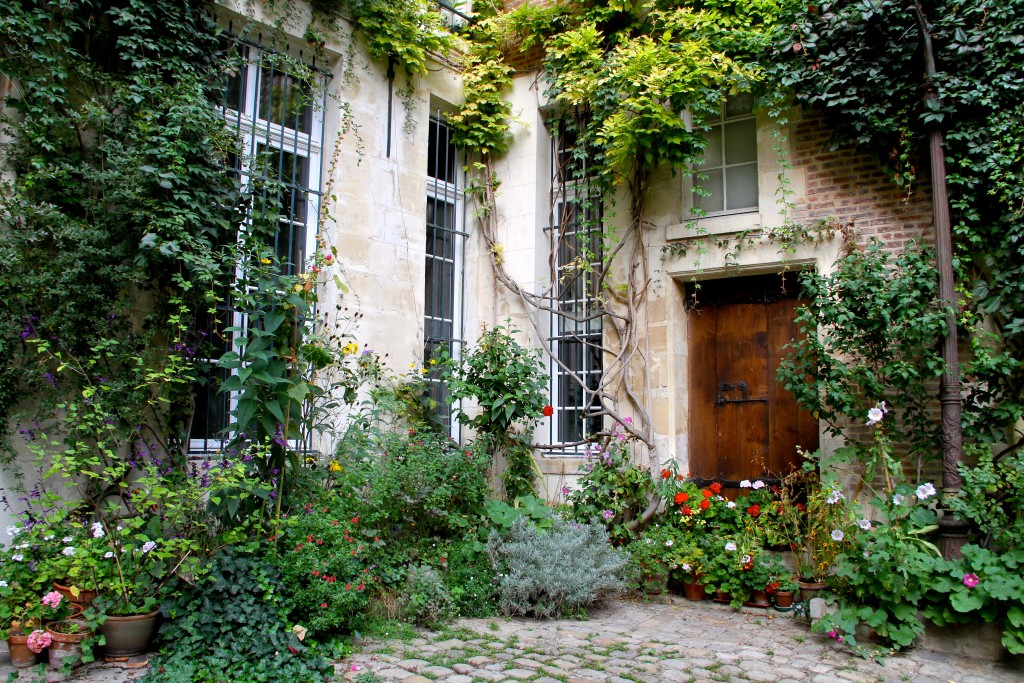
(440,152)
(713,184)
(713,148)
(285,100)
(739,105)
(740,142)
(742,184)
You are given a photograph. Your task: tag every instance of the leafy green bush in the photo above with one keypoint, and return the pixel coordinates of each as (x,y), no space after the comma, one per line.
(612,491)
(982,585)
(551,573)
(232,626)
(470,579)
(326,563)
(417,486)
(425,599)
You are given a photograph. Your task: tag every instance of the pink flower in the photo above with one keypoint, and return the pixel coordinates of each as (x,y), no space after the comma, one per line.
(38,641)
(52,599)
(971,580)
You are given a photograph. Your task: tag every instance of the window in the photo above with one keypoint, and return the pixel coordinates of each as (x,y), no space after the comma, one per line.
(442,307)
(728,174)
(575,327)
(281,138)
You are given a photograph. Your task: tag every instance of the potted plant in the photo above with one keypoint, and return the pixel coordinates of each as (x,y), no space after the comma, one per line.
(722,570)
(782,591)
(812,516)
(648,564)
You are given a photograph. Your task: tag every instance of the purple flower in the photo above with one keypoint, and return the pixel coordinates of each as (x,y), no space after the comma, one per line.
(971,580)
(607,514)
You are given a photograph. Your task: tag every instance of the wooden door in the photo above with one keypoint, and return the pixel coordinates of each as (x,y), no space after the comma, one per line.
(743,423)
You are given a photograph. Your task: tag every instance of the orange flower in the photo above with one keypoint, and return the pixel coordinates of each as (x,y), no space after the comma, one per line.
(707,493)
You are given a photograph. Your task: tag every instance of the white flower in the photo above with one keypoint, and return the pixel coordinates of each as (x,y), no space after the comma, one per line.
(67,539)
(719,497)
(758,485)
(746,559)
(925,491)
(838,535)
(835,496)
(875,416)
(745,484)
(898,499)
(13,530)
(731,504)
(97,530)
(148,545)
(668,543)
(48,537)
(865,524)
(3,584)
(23,546)
(730,546)
(685,567)
(18,558)
(69,551)
(107,555)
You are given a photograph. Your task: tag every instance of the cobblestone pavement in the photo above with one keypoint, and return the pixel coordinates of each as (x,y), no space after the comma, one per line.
(670,640)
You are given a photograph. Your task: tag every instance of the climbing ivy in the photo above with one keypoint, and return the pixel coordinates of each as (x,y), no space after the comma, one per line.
(834,55)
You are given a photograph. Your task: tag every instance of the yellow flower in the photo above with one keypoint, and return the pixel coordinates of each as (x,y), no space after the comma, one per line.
(424,371)
(335,466)
(433,361)
(265,261)
(412,366)
(350,349)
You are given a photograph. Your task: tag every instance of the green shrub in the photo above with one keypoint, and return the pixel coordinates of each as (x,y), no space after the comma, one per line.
(232,626)
(326,563)
(555,572)
(425,599)
(470,579)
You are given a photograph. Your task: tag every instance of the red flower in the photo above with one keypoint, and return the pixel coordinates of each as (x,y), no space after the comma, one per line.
(706,493)
(687,510)
(681,498)
(292,650)
(355,520)
(316,573)
(665,474)
(680,477)
(754,510)
(716,488)
(548,411)
(705,504)
(323,604)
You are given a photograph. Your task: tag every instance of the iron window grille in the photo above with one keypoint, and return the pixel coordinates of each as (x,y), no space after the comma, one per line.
(445,255)
(279,119)
(576,330)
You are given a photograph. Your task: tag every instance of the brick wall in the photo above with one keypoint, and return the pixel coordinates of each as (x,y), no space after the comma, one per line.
(851,186)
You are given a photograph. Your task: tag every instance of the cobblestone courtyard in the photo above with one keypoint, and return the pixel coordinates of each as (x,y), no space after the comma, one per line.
(669,640)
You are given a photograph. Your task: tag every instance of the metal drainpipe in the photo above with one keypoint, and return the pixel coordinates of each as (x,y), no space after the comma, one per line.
(952,530)
(391,90)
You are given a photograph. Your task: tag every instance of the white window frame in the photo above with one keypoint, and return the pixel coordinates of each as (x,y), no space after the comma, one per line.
(451,194)
(254,131)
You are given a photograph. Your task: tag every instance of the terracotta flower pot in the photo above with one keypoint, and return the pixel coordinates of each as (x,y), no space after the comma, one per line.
(783,600)
(810,589)
(758,599)
(84,597)
(129,635)
(66,646)
(21,656)
(694,591)
(722,597)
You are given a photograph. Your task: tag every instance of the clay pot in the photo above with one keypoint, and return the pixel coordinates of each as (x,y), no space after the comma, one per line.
(131,635)
(758,599)
(783,600)
(810,589)
(84,597)
(694,591)
(21,656)
(66,646)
